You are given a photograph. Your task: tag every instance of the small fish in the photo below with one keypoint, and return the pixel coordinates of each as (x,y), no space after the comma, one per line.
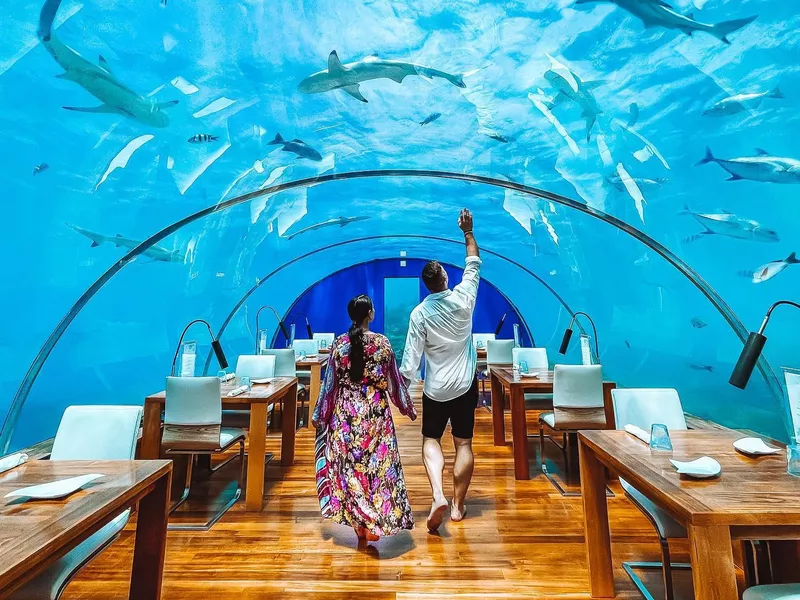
(39,168)
(698,324)
(641,182)
(199,138)
(724,223)
(633,116)
(299,147)
(771,269)
(628,344)
(644,258)
(740,103)
(430,119)
(698,367)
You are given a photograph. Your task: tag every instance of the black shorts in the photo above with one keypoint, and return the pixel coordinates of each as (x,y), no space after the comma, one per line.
(460,412)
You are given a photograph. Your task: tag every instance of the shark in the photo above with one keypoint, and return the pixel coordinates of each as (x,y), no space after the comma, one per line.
(741,102)
(658,13)
(762,167)
(348,77)
(570,87)
(729,225)
(98,79)
(157,253)
(340,221)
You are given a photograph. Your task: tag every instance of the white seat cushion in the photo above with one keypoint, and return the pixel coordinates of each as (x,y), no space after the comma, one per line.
(228,436)
(667,526)
(784,591)
(549,418)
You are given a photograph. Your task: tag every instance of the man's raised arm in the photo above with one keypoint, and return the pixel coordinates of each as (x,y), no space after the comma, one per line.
(465,224)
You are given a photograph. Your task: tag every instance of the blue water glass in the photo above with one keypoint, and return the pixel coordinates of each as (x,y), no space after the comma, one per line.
(222,375)
(523,366)
(793,460)
(244,380)
(659,438)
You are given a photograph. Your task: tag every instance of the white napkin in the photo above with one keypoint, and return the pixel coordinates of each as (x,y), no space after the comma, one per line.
(638,432)
(261,381)
(228,377)
(238,391)
(14,460)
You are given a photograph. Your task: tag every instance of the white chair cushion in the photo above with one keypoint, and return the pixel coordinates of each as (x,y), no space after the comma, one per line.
(305,346)
(644,406)
(499,352)
(535,357)
(549,418)
(479,339)
(228,436)
(49,584)
(284,361)
(667,526)
(783,591)
(193,401)
(578,386)
(97,433)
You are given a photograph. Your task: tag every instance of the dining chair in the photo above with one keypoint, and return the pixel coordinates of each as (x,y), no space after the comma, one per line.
(479,342)
(536,360)
(643,408)
(254,366)
(577,404)
(285,366)
(193,426)
(480,339)
(778,591)
(325,340)
(307,347)
(498,352)
(87,433)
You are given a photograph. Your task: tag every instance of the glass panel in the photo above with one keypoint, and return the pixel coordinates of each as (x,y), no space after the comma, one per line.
(400,296)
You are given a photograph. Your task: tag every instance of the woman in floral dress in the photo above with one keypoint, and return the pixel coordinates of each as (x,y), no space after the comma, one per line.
(359,476)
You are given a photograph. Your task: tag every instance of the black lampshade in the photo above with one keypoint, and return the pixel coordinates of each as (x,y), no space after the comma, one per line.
(217,347)
(500,325)
(747,360)
(284,330)
(565,341)
(309,330)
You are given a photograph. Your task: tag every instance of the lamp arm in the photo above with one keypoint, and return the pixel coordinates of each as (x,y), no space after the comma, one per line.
(594,330)
(769,313)
(277,317)
(180,340)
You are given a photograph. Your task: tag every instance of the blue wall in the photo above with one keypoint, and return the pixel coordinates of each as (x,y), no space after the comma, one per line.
(325,303)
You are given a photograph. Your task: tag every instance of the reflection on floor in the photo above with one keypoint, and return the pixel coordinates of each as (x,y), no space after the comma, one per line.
(520,540)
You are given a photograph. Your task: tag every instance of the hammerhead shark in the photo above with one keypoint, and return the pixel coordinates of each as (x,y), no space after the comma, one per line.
(157,253)
(98,79)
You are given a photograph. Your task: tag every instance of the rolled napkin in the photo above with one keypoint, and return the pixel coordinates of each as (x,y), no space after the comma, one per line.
(228,377)
(238,391)
(638,432)
(14,460)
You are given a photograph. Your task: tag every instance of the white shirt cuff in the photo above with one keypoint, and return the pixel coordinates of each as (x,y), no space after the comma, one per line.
(474,259)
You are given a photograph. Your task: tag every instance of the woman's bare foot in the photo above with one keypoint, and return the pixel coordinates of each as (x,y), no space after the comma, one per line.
(372,537)
(436,516)
(457,514)
(361,533)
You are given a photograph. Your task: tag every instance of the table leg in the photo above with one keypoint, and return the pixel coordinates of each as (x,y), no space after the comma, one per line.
(256,457)
(313,390)
(150,448)
(289,429)
(498,412)
(519,433)
(595,515)
(712,563)
(151,542)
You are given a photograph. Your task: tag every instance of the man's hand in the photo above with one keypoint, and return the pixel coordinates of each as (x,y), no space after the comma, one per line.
(465,221)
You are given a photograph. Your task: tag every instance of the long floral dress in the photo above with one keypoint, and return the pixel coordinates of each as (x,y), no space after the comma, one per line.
(359,476)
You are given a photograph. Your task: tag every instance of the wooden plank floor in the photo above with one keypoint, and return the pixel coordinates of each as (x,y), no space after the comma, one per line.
(521,539)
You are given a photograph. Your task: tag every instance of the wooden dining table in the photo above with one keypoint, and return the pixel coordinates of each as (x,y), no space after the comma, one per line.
(752,499)
(314,364)
(256,400)
(504,381)
(36,533)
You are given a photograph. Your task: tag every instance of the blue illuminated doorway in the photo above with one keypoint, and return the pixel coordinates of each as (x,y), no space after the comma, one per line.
(400,296)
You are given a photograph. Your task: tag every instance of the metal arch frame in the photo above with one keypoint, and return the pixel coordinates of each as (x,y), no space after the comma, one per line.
(297,259)
(41,357)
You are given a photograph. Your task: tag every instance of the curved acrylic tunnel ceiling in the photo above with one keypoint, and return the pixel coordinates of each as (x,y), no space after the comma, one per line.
(534,75)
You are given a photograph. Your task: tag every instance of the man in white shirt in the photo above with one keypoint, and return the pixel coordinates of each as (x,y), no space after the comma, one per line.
(441,329)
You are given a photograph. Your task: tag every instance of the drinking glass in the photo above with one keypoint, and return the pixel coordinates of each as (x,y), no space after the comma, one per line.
(523,366)
(659,438)
(244,380)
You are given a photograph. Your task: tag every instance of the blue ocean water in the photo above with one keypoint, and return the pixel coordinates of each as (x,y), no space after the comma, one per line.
(194,103)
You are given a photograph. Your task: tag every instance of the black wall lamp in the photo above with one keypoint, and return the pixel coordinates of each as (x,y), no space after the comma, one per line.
(568,335)
(215,345)
(308,325)
(281,324)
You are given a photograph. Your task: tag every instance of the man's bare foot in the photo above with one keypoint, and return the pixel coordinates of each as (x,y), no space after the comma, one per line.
(436,516)
(457,514)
